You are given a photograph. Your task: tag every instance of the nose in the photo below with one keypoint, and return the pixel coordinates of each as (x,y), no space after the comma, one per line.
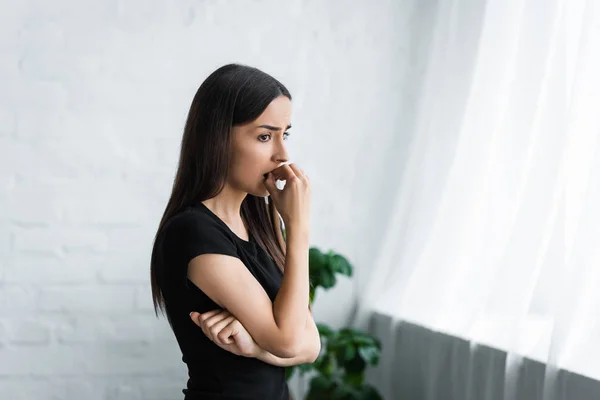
(281,155)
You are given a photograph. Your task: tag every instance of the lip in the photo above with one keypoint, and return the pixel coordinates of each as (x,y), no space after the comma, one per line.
(267,173)
(284,163)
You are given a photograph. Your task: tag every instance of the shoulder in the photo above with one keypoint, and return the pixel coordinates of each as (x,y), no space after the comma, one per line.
(192,232)
(188,218)
(191,221)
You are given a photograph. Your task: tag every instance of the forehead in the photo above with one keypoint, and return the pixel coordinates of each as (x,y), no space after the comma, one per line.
(277,113)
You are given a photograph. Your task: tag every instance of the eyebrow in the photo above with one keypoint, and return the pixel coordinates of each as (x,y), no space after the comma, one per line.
(274,128)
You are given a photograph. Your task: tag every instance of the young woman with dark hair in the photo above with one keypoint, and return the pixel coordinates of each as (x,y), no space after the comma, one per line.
(234,290)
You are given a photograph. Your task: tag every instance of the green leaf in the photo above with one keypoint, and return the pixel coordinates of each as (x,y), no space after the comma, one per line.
(326,279)
(341,265)
(370,354)
(320,387)
(316,259)
(340,354)
(304,368)
(326,364)
(345,353)
(289,372)
(349,352)
(350,332)
(324,330)
(320,382)
(356,365)
(343,392)
(368,392)
(365,341)
(339,342)
(354,379)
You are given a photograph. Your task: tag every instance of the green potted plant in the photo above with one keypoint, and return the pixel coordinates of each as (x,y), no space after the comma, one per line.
(338,372)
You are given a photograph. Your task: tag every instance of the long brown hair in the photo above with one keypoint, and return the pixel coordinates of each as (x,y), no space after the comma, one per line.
(233,94)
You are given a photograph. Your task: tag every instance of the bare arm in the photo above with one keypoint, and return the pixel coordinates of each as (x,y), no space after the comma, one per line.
(308,353)
(221,327)
(290,306)
(277,327)
(284,362)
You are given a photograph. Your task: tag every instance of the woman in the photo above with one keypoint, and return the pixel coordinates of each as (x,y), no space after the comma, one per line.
(234,291)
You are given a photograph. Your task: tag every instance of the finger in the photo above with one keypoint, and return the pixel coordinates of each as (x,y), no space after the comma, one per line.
(270,184)
(211,314)
(209,322)
(301,174)
(219,331)
(284,172)
(200,319)
(297,171)
(195,316)
(232,348)
(229,334)
(208,314)
(226,334)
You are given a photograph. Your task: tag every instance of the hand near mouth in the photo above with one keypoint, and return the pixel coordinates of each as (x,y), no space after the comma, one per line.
(293,202)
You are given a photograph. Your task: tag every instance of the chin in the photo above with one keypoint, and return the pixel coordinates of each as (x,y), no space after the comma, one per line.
(259,192)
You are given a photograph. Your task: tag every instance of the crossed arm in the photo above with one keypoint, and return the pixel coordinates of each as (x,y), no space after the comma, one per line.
(227,332)
(283,331)
(308,353)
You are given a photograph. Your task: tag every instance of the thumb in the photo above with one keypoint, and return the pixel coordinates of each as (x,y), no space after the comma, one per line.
(195,317)
(228,334)
(270,184)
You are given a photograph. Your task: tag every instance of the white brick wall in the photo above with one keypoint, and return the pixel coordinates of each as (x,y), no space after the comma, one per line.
(93,97)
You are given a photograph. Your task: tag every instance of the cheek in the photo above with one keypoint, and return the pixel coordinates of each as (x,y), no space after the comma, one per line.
(246,163)
(246,166)
(252,157)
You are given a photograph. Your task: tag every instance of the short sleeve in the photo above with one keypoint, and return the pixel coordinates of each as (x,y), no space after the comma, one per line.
(190,234)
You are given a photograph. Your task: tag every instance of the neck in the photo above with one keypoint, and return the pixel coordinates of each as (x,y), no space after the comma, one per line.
(227,205)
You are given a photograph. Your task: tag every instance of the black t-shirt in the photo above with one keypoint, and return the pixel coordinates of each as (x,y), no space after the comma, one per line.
(214,373)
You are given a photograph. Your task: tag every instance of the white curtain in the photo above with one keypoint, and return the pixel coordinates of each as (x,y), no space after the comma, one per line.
(495,235)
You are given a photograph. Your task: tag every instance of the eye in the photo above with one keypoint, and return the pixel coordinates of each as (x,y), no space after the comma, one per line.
(285,136)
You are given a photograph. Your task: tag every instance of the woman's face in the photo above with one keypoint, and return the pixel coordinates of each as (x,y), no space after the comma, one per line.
(259,147)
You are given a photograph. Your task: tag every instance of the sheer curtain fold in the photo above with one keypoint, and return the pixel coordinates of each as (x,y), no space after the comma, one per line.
(495,235)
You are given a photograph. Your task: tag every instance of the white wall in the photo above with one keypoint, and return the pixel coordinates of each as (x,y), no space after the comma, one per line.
(93,100)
